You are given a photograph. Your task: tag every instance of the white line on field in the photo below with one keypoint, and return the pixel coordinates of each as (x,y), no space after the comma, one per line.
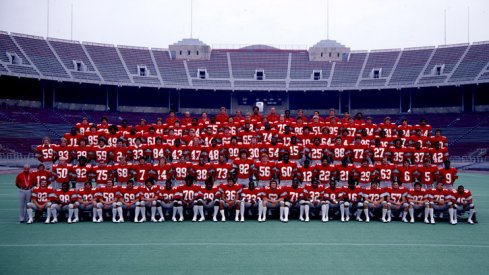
(245,244)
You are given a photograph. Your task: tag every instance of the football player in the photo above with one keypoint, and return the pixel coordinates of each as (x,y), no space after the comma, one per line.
(40,201)
(107,199)
(396,201)
(313,194)
(463,202)
(148,198)
(441,200)
(374,198)
(417,201)
(332,198)
(66,200)
(294,199)
(272,197)
(86,197)
(129,198)
(249,199)
(192,198)
(353,197)
(230,195)
(210,194)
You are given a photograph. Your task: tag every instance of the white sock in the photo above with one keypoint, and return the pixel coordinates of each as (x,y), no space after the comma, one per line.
(450,214)
(143,212)
(471,213)
(384,213)
(404,214)
(264,212)
(195,211)
(365,210)
(174,212)
(119,211)
(180,211)
(70,213)
(94,213)
(281,212)
(411,213)
(99,213)
(323,211)
(29,213)
(222,213)
(260,210)
(242,207)
(114,212)
(136,212)
(302,211)
(286,213)
(306,210)
(160,211)
(347,211)
(389,213)
(201,210)
(432,213)
(54,213)
(153,212)
(342,211)
(326,211)
(216,210)
(237,213)
(48,213)
(426,212)
(76,211)
(359,213)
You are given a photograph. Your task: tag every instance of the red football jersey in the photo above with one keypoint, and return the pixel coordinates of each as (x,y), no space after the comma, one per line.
(449,176)
(250,195)
(307,174)
(333,195)
(102,173)
(171,194)
(62,172)
(190,193)
(372,195)
(181,169)
(273,194)
(210,194)
(222,170)
(462,198)
(386,171)
(106,194)
(427,174)
(80,173)
(65,197)
(414,195)
(142,171)
(353,195)
(437,195)
(230,193)
(344,173)
(123,171)
(151,193)
(365,174)
(294,194)
(163,172)
(243,167)
(325,173)
(286,170)
(406,174)
(129,195)
(201,172)
(396,195)
(42,195)
(313,193)
(87,195)
(264,171)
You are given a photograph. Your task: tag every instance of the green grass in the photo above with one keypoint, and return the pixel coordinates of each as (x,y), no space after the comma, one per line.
(251,248)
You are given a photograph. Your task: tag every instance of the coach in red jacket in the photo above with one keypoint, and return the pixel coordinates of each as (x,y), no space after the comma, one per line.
(24,181)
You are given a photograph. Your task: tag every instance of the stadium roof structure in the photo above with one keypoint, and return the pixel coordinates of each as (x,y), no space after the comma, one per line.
(253,68)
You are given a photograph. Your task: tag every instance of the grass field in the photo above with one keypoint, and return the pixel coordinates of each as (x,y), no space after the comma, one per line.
(251,248)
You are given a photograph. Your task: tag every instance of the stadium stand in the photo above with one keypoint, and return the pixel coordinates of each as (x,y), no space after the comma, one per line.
(410,65)
(108,63)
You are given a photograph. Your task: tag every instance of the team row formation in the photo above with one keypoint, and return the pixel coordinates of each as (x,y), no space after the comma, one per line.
(244,169)
(229,198)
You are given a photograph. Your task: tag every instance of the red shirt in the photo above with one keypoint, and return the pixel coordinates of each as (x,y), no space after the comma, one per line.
(42,195)
(287,171)
(230,193)
(313,194)
(25,180)
(352,195)
(190,193)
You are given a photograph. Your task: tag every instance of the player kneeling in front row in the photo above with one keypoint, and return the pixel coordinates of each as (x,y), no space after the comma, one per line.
(313,195)
(463,203)
(374,199)
(353,199)
(192,198)
(129,198)
(65,200)
(148,198)
(332,197)
(249,199)
(107,198)
(211,195)
(86,197)
(396,202)
(230,195)
(272,198)
(418,202)
(294,198)
(40,201)
(441,200)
